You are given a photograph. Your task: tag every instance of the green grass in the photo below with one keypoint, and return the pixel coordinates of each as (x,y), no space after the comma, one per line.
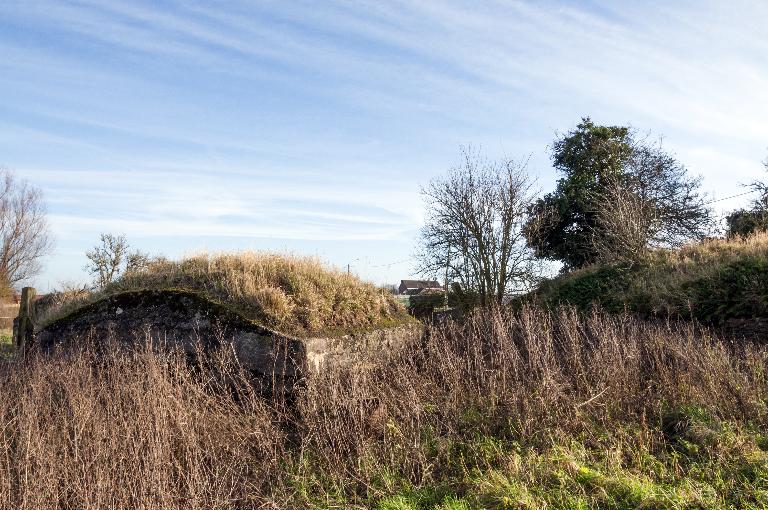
(711,282)
(657,473)
(683,431)
(6,343)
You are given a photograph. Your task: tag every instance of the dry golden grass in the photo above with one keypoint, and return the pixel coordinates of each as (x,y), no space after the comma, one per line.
(8,311)
(717,250)
(531,409)
(134,430)
(297,295)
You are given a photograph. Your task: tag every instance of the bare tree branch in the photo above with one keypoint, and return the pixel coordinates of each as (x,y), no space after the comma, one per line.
(24,233)
(475,217)
(107,259)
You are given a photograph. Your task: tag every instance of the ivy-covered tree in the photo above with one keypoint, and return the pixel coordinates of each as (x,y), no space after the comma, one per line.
(573,225)
(563,222)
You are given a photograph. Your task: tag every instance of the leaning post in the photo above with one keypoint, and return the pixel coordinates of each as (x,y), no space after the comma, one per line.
(24,329)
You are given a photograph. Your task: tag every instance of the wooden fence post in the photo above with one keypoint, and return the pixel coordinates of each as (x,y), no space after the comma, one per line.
(24,330)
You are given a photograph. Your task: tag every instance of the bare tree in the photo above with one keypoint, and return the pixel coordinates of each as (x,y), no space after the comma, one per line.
(107,259)
(761,188)
(473,230)
(654,203)
(137,261)
(111,258)
(24,230)
(624,224)
(679,208)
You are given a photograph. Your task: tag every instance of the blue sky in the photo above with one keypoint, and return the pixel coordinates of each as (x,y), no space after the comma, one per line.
(309,126)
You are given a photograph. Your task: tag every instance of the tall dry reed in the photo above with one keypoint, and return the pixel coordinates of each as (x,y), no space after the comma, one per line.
(535,377)
(137,429)
(142,429)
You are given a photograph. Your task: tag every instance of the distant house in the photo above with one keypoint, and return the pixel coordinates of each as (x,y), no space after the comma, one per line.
(16,298)
(413,287)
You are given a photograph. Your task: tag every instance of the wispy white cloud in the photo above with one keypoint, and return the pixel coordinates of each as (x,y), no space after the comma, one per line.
(319,121)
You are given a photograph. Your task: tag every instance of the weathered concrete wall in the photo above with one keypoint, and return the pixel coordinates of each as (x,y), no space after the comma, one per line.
(186,319)
(356,348)
(175,318)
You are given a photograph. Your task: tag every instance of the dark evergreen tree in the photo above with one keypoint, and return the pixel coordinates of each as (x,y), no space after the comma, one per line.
(568,224)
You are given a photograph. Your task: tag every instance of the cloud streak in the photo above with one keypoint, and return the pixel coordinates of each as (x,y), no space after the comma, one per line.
(319,122)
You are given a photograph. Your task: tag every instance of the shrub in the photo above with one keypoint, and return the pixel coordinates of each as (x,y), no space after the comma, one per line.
(743,223)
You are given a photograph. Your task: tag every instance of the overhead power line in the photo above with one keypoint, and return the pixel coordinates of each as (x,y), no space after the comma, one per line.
(728,198)
(393,263)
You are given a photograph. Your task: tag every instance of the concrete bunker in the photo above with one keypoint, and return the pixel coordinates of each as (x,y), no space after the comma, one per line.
(187,319)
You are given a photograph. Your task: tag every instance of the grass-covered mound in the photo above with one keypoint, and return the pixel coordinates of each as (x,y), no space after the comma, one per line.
(712,282)
(292,294)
